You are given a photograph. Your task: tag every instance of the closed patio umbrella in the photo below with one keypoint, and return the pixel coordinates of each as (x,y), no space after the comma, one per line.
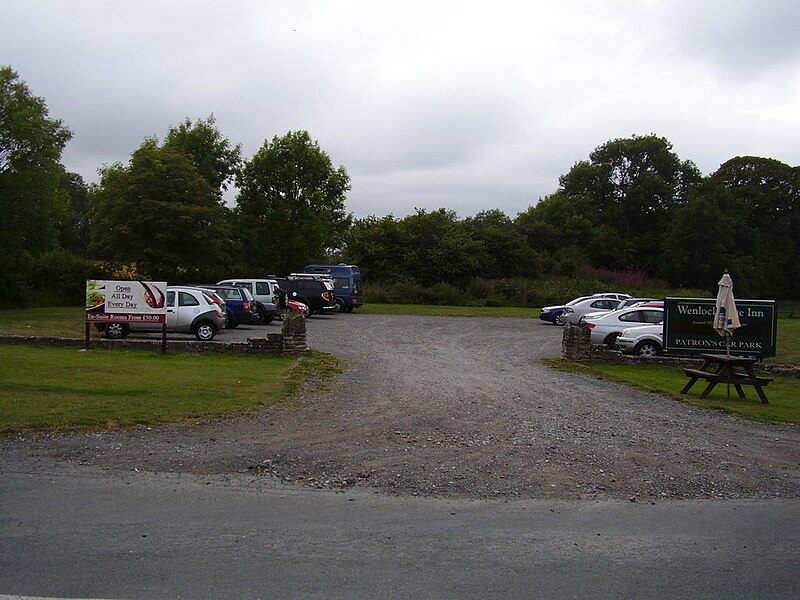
(726,316)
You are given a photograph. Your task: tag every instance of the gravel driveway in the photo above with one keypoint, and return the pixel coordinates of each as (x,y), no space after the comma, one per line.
(461,407)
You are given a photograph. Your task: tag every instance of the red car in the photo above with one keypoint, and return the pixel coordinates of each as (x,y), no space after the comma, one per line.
(297,307)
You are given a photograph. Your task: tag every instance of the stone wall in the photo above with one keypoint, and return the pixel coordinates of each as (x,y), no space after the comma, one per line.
(576,346)
(291,342)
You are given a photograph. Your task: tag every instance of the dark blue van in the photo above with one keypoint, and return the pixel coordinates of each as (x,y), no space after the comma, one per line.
(346,284)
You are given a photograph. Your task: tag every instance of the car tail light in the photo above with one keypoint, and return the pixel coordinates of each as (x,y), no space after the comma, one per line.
(246,307)
(218,311)
(590,325)
(327,296)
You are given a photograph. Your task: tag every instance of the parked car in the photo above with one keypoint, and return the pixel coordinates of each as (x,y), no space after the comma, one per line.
(605,329)
(346,281)
(574,312)
(265,293)
(555,314)
(297,307)
(635,301)
(641,303)
(240,307)
(647,340)
(615,295)
(314,292)
(189,310)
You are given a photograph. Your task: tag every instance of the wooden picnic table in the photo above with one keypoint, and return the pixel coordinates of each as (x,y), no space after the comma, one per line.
(723,368)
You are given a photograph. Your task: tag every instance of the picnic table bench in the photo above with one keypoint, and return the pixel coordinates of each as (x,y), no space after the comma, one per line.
(723,368)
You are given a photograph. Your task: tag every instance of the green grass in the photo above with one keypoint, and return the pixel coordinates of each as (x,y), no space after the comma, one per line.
(783,393)
(788,345)
(59,389)
(53,389)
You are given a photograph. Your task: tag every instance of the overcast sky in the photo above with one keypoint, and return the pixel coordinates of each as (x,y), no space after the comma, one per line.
(457,104)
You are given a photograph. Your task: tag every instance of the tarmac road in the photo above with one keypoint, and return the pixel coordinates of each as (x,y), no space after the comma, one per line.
(72,532)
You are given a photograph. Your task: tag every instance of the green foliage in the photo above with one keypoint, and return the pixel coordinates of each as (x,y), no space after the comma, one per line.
(32,204)
(766,201)
(160,214)
(290,207)
(215,159)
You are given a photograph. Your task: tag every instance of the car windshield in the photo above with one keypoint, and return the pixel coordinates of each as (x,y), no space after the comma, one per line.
(574,302)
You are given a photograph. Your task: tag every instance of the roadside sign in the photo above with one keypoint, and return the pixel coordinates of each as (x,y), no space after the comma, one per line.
(110,301)
(688,328)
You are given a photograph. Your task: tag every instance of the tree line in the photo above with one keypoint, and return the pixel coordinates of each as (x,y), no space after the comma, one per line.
(633,207)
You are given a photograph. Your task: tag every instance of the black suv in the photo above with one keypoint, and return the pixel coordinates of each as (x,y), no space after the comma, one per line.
(314,293)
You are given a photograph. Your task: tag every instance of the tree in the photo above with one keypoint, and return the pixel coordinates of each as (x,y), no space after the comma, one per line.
(440,248)
(631,186)
(377,246)
(767,194)
(290,207)
(161,216)
(212,154)
(31,202)
(73,228)
(507,249)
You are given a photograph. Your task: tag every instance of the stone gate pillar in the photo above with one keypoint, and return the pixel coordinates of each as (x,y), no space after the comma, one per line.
(294,335)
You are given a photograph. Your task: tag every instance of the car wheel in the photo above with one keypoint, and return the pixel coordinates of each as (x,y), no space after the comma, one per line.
(116,331)
(559,319)
(205,331)
(611,341)
(339,306)
(647,348)
(263,319)
(230,323)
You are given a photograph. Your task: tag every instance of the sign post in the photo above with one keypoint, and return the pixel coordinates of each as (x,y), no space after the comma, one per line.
(113,301)
(688,328)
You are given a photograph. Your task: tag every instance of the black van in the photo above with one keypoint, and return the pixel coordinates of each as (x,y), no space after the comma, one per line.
(315,293)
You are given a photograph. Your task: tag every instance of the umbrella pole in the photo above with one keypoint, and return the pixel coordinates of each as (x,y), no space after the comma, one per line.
(728,353)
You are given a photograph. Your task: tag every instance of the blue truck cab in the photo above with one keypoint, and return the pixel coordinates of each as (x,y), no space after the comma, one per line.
(346,284)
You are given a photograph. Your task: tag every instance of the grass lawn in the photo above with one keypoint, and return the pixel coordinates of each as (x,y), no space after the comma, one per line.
(53,389)
(60,389)
(783,393)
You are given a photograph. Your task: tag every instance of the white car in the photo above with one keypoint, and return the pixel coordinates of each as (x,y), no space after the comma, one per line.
(189,310)
(573,312)
(605,329)
(647,340)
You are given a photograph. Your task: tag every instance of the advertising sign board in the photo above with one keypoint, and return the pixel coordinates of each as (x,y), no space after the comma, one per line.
(109,301)
(688,328)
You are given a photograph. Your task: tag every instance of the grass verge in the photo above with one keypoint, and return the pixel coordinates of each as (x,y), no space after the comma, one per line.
(783,393)
(60,389)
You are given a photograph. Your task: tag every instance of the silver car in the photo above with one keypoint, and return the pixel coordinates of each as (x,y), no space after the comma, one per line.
(573,313)
(189,310)
(647,340)
(606,328)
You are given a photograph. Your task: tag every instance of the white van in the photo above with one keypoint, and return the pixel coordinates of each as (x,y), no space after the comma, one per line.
(265,292)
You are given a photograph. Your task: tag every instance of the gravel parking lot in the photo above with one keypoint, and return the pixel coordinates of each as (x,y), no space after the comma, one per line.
(461,407)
